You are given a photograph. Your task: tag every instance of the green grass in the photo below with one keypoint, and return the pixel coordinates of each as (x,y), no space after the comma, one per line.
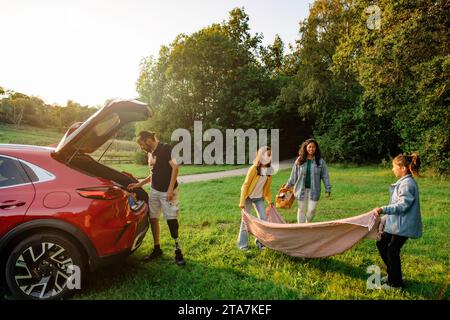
(44,137)
(29,135)
(216,269)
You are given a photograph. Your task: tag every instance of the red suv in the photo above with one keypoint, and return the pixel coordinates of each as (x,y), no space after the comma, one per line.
(61,211)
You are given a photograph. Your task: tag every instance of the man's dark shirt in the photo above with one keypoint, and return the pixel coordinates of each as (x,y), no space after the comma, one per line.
(162,171)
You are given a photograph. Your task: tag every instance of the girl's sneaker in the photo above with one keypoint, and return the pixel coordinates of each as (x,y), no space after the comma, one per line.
(260,245)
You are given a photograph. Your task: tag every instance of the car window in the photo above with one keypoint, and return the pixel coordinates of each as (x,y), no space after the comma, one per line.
(11,173)
(35,173)
(107,125)
(30,173)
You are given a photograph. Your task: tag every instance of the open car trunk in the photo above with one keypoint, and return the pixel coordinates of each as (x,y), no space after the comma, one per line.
(88,165)
(93,133)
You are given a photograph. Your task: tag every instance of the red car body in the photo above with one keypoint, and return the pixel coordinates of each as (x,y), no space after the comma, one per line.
(101,221)
(65,193)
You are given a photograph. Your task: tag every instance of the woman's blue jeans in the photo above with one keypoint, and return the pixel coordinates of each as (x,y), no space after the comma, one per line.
(261,212)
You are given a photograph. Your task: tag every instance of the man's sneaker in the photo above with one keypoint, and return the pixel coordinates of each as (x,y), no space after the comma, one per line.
(156,253)
(179,260)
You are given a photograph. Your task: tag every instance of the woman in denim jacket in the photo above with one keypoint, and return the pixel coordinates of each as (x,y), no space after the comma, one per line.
(402,216)
(308,171)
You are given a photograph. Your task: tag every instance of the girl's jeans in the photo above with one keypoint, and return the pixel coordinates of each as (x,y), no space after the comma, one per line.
(389,247)
(310,208)
(260,210)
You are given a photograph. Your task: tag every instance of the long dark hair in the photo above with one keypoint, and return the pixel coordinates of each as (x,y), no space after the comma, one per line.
(412,163)
(303,153)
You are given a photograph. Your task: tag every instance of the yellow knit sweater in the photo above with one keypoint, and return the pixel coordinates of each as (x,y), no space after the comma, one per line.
(249,184)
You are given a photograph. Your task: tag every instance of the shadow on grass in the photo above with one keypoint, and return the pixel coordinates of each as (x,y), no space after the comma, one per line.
(163,280)
(426,290)
(413,288)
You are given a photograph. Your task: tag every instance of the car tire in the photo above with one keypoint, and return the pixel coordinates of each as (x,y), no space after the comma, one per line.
(44,266)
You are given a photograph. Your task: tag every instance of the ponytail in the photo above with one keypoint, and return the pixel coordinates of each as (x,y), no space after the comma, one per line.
(412,163)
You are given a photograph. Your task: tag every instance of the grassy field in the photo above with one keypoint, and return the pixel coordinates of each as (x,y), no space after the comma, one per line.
(29,135)
(45,137)
(216,269)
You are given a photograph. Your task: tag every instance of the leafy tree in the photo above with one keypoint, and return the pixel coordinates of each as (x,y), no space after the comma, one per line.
(273,57)
(207,76)
(19,109)
(403,70)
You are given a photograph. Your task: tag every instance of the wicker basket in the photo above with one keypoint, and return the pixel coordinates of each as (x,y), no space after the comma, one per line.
(285,197)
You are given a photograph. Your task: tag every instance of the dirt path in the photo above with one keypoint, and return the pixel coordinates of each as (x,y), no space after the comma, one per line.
(285,164)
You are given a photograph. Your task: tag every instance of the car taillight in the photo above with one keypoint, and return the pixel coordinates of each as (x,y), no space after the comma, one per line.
(101,193)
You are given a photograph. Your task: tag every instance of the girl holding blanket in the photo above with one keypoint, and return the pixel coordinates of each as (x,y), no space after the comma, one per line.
(255,189)
(308,171)
(402,216)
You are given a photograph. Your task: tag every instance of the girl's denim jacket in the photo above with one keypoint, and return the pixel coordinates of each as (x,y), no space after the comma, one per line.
(403,211)
(318,173)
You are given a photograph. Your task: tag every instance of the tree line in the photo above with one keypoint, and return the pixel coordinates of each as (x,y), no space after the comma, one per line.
(20,110)
(366,94)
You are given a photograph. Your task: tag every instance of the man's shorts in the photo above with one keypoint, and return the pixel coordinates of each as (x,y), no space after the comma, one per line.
(158,201)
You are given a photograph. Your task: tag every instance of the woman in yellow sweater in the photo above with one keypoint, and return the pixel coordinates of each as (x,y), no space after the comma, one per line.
(255,189)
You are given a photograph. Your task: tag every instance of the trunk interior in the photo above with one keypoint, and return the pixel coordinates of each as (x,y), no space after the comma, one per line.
(86,164)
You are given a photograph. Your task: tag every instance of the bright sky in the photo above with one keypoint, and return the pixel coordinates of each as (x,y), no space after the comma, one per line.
(89,50)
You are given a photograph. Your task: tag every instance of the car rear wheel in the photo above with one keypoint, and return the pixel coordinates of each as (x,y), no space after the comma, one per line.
(45,266)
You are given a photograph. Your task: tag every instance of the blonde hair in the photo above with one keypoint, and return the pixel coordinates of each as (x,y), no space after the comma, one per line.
(411,162)
(257,161)
(259,155)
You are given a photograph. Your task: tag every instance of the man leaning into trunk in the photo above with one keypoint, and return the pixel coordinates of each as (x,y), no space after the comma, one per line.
(164,192)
